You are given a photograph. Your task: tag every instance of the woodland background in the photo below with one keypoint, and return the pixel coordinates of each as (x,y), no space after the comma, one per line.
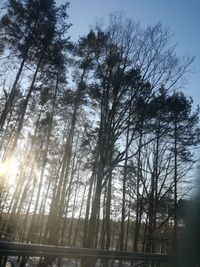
(96,136)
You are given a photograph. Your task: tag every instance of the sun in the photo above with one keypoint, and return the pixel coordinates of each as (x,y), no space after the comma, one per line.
(3,167)
(9,168)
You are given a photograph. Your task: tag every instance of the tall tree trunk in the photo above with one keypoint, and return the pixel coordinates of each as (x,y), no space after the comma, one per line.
(68,194)
(95,209)
(123,209)
(102,238)
(23,111)
(108,209)
(89,197)
(174,246)
(59,202)
(12,94)
(22,234)
(153,193)
(77,232)
(48,135)
(73,212)
(138,200)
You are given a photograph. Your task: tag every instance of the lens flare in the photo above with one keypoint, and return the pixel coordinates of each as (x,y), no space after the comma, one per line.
(9,168)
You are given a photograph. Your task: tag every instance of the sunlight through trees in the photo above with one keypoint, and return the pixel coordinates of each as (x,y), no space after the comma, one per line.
(96,136)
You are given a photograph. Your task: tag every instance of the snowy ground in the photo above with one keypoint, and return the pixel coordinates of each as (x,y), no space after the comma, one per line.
(33,262)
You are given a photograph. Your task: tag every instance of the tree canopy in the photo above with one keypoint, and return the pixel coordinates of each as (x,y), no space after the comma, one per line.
(96,136)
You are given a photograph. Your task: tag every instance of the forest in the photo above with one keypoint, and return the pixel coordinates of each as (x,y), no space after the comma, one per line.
(97,136)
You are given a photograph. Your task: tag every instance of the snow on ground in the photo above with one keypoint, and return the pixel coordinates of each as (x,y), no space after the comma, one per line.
(33,262)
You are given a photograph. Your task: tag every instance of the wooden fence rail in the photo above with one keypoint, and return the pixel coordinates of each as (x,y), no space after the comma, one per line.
(35,250)
(23,250)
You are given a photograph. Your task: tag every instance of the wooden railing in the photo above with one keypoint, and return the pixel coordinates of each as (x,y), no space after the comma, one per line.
(35,250)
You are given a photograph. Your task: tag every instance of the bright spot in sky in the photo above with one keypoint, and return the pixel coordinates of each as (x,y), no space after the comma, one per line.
(9,168)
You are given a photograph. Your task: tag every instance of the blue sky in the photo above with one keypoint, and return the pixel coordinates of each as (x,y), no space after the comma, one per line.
(181,16)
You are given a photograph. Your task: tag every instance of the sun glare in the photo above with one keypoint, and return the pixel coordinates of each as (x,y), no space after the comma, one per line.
(3,168)
(9,168)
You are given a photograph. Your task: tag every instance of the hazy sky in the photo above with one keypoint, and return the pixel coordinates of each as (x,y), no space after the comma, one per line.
(181,16)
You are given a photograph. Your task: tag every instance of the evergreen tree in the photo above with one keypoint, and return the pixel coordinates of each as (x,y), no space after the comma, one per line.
(185,133)
(29,28)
